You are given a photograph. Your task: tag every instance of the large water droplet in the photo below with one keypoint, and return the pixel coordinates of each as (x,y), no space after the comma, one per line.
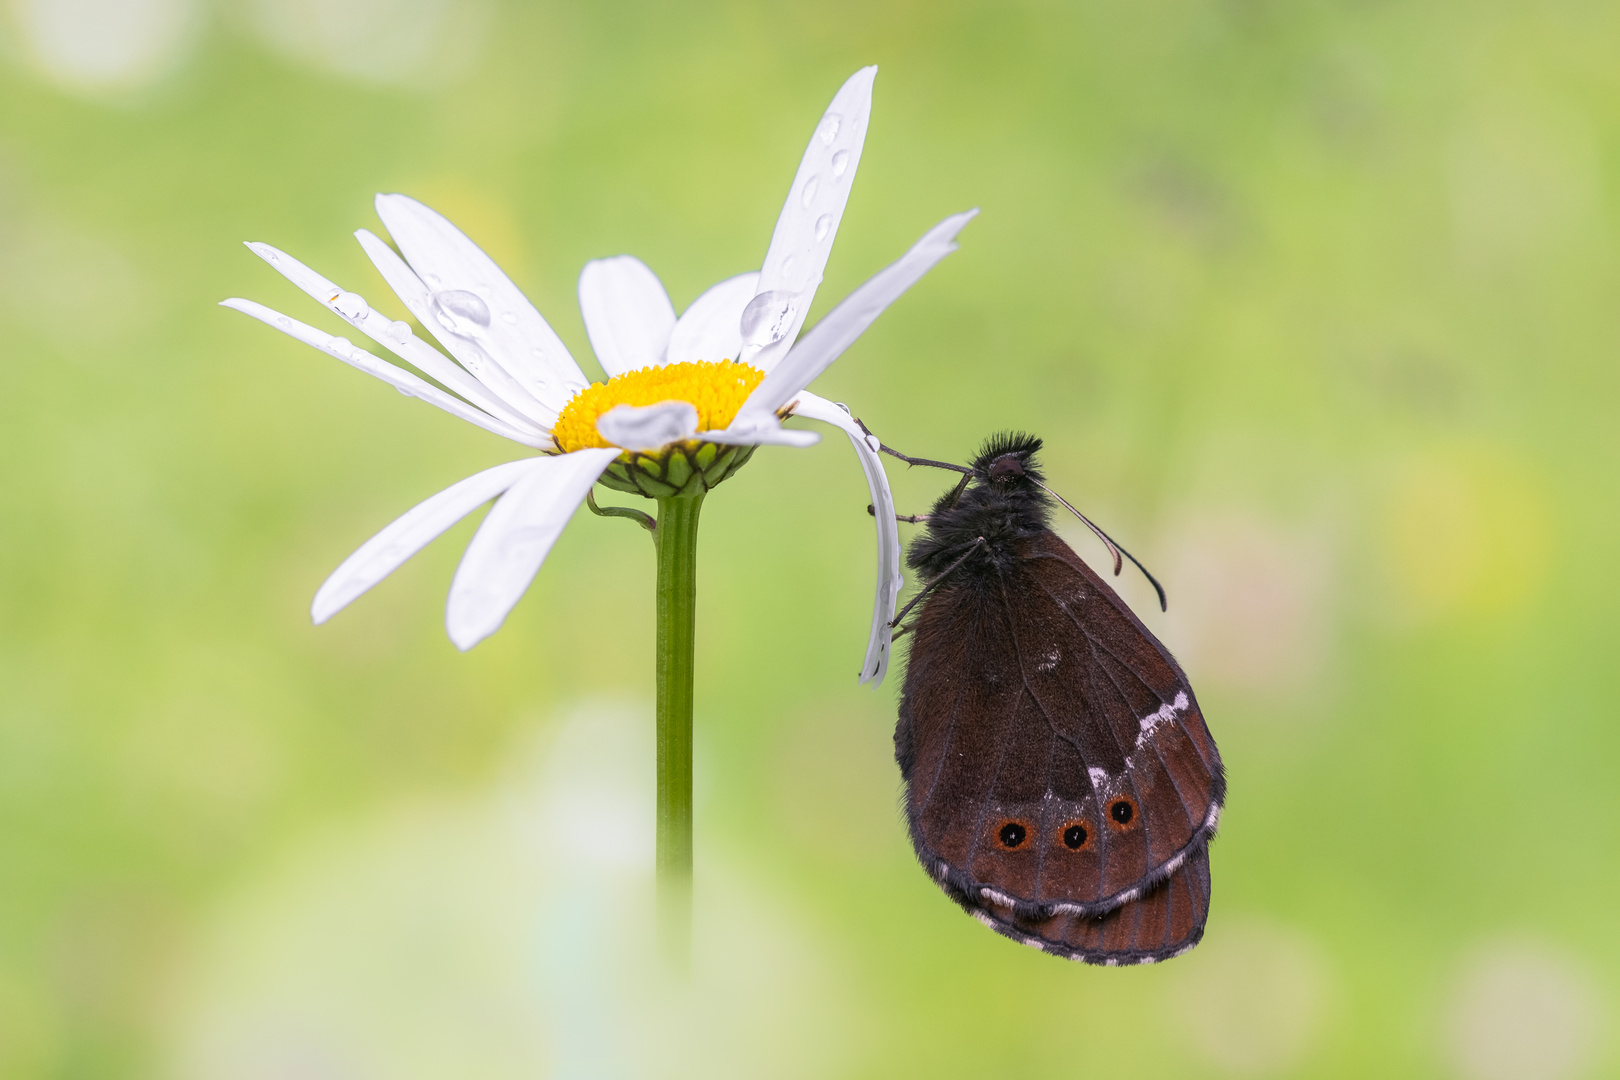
(824,225)
(808,196)
(769,316)
(829,127)
(400,330)
(350,305)
(461,312)
(840,162)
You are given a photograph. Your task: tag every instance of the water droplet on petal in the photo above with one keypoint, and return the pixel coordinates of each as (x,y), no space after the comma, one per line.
(824,225)
(431,280)
(840,162)
(284,322)
(769,316)
(829,127)
(787,266)
(400,330)
(461,312)
(508,316)
(808,196)
(539,353)
(350,305)
(340,345)
(484,290)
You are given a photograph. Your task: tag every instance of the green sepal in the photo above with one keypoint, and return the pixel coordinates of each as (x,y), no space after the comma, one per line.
(682,470)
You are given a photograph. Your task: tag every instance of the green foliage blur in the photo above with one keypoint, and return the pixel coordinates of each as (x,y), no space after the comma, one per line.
(1317,306)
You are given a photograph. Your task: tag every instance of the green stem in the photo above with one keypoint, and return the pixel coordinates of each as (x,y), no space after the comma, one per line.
(676,538)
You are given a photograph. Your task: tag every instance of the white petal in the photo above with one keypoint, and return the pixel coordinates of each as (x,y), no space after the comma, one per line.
(709,329)
(418,299)
(828,339)
(476,304)
(767,434)
(889,581)
(648,427)
(400,379)
(394,336)
(628,316)
(809,222)
(514,540)
(410,533)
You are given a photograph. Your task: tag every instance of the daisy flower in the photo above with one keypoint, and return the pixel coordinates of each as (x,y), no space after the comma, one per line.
(686,401)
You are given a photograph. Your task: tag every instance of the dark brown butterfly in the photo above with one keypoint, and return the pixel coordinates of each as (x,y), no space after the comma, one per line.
(1060,782)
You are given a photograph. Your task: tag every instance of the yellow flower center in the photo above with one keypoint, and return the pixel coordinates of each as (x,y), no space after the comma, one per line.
(717,388)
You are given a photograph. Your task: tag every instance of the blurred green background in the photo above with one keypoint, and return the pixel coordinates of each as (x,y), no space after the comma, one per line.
(1316,304)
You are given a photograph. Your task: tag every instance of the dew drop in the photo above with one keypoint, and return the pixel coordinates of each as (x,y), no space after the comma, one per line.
(284,322)
(433,281)
(539,353)
(461,312)
(824,225)
(829,127)
(769,316)
(340,344)
(400,330)
(787,266)
(840,162)
(350,305)
(509,317)
(808,196)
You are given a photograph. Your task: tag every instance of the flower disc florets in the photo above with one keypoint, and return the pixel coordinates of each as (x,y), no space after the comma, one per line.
(717,389)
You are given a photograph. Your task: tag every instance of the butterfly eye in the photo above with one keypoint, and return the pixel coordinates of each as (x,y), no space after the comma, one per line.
(1075,836)
(1012,834)
(1123,811)
(1007,467)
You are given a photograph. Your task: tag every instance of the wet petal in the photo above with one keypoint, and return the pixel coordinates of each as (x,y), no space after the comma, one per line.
(475,305)
(397,337)
(768,434)
(410,533)
(628,316)
(648,427)
(889,581)
(828,339)
(400,379)
(418,299)
(804,232)
(710,329)
(514,540)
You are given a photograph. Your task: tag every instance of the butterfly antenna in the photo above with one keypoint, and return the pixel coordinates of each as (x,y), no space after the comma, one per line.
(1113,549)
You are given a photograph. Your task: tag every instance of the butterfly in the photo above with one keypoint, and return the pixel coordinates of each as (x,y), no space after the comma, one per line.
(1060,782)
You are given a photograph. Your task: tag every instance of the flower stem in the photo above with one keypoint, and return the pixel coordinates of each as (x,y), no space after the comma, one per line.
(676,537)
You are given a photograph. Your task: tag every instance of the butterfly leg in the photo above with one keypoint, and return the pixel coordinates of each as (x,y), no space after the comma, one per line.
(909,519)
(930,462)
(941,576)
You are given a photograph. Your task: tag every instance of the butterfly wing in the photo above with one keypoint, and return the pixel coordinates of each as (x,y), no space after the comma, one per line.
(1057,765)
(1164,922)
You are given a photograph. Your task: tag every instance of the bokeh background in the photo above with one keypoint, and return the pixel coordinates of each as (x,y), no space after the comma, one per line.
(1317,305)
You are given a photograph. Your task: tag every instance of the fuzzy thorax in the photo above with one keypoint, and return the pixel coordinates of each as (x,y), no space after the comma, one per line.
(717,389)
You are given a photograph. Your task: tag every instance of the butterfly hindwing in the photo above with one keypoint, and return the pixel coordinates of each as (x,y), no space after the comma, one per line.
(1164,922)
(1049,744)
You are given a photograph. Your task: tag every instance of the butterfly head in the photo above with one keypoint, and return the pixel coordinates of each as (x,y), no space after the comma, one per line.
(1007,462)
